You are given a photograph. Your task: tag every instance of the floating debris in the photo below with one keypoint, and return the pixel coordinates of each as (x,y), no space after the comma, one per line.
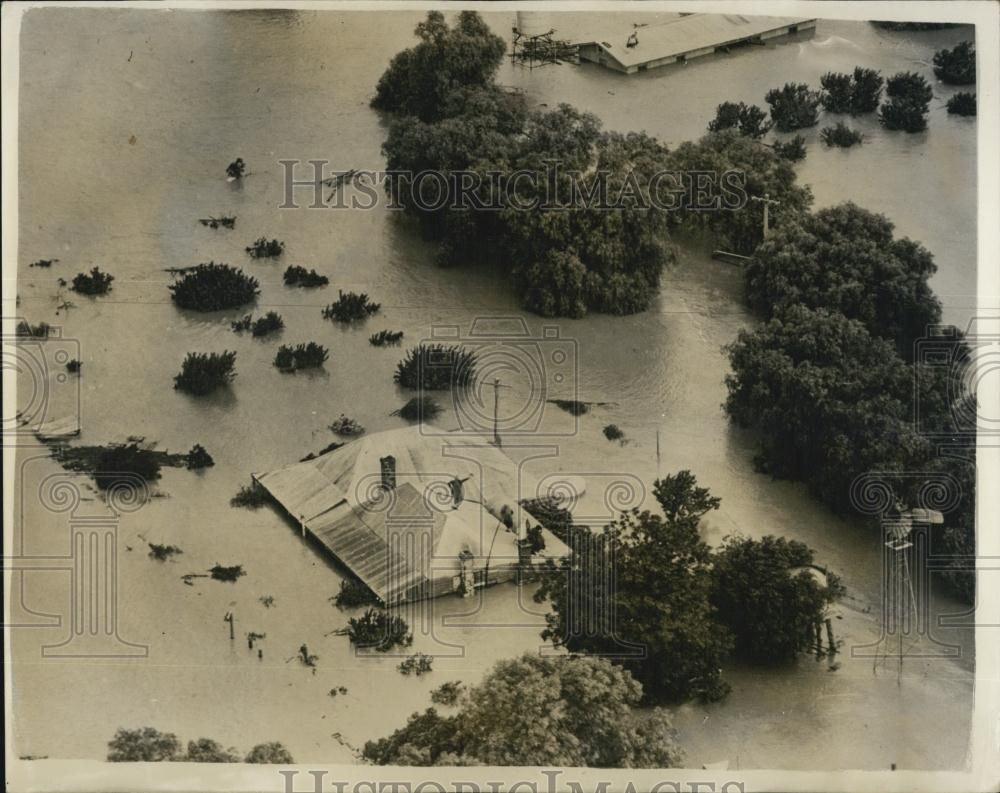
(267,601)
(43,263)
(328,448)
(225,222)
(162,552)
(575,407)
(306,657)
(386,338)
(350,307)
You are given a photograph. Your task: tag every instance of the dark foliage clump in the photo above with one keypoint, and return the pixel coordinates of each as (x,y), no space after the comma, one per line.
(251,496)
(226,222)
(418,664)
(956,66)
(300,276)
(212,287)
(909,85)
(236,169)
(43,263)
(435,367)
(162,552)
(198,457)
(866,91)
(269,323)
(350,307)
(201,373)
(205,750)
(326,449)
(448,694)
(273,753)
(263,248)
(301,356)
(230,574)
(554,517)
(25,329)
(93,283)
(793,106)
(344,425)
(909,99)
(354,593)
(422,408)
(143,745)
(571,406)
(380,630)
(243,323)
(836,95)
(613,432)
(74,365)
(386,338)
(746,119)
(793,149)
(912,26)
(841,135)
(120,464)
(962,104)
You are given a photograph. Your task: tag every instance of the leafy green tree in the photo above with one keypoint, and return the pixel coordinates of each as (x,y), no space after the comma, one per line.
(830,401)
(845,259)
(836,94)
(419,79)
(143,745)
(539,711)
(204,372)
(956,66)
(205,750)
(962,104)
(866,90)
(273,753)
(765,592)
(746,119)
(793,106)
(639,592)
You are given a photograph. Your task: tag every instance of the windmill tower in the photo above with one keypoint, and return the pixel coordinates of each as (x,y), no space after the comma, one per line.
(906,585)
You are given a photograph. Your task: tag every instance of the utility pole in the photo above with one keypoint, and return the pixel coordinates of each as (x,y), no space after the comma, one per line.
(766,201)
(231,619)
(497,385)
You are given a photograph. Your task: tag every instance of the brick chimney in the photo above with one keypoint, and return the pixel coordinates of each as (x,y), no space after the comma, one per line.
(388,466)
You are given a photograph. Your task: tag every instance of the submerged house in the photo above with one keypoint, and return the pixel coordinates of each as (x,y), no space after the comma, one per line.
(690,36)
(415,516)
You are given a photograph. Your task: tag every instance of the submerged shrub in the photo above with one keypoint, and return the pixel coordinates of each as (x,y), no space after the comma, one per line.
(203,372)
(793,106)
(162,552)
(841,135)
(866,91)
(350,307)
(746,119)
(263,248)
(300,276)
(25,329)
(956,66)
(380,630)
(212,287)
(434,367)
(613,433)
(120,464)
(343,425)
(269,323)
(229,574)
(301,356)
(199,458)
(74,365)
(837,91)
(251,496)
(354,593)
(93,283)
(385,338)
(962,104)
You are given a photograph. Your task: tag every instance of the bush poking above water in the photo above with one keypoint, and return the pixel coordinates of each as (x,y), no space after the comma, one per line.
(385,338)
(271,753)
(198,457)
(121,464)
(162,552)
(354,593)
(379,630)
(73,366)
(93,283)
(613,433)
(956,66)
(344,425)
(841,135)
(962,104)
(300,276)
(793,106)
(202,373)
(229,574)
(350,307)
(302,356)
(251,496)
(213,287)
(263,248)
(418,664)
(435,367)
(793,150)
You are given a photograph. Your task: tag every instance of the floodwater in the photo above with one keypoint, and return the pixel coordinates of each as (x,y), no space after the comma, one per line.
(127,122)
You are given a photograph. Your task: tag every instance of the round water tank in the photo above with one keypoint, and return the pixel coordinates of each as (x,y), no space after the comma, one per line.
(533,23)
